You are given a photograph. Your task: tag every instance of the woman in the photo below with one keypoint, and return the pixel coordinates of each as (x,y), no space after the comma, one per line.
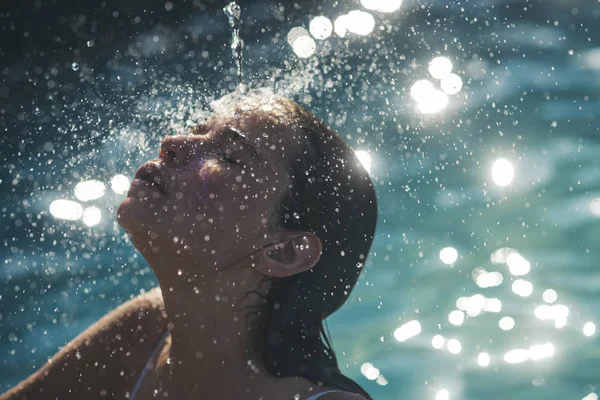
(257,227)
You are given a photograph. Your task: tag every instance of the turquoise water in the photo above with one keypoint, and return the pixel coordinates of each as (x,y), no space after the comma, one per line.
(530,95)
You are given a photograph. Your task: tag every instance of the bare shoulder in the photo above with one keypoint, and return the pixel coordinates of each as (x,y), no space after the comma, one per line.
(147,307)
(134,322)
(105,359)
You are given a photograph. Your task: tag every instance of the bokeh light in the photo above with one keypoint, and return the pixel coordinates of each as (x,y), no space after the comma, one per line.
(595,206)
(483,359)
(500,256)
(408,330)
(492,305)
(438,342)
(304,46)
(554,312)
(475,305)
(516,356)
(369,371)
(456,317)
(120,184)
(485,279)
(560,323)
(66,209)
(502,172)
(589,329)
(91,216)
(451,84)
(320,27)
(506,323)
(517,264)
(358,22)
(541,351)
(448,255)
(421,90)
(442,394)
(434,103)
(454,346)
(296,33)
(89,190)
(550,295)
(440,67)
(522,287)
(386,6)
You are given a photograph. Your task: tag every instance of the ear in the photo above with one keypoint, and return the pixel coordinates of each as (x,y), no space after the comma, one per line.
(294,253)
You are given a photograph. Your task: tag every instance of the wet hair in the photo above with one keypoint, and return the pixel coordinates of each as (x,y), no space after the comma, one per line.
(331,195)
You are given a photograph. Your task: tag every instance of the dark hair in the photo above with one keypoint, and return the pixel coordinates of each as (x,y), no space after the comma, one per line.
(331,195)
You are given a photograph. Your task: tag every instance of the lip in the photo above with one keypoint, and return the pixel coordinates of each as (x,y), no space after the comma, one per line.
(147,175)
(142,184)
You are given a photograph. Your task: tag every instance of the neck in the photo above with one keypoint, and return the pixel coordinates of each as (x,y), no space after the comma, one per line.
(210,337)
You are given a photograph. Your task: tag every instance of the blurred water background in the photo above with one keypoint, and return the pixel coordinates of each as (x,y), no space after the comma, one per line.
(477,120)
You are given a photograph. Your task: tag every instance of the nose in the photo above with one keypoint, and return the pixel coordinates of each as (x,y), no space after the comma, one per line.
(178,149)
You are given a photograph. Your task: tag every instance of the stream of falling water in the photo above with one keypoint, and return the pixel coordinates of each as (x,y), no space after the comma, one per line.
(233,12)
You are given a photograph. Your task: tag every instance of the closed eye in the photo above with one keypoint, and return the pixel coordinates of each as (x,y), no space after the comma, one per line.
(235,136)
(228,159)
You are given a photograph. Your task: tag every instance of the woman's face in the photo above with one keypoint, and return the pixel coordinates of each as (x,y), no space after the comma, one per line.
(210,196)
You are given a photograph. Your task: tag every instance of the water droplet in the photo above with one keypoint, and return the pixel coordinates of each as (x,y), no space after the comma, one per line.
(179,272)
(90,43)
(75,66)
(233,12)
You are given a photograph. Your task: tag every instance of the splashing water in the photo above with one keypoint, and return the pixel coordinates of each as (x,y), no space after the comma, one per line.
(228,105)
(233,13)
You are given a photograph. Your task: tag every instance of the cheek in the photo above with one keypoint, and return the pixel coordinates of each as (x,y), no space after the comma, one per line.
(191,191)
(202,207)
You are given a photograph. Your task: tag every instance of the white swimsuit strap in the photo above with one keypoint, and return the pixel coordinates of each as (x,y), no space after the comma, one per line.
(313,397)
(147,367)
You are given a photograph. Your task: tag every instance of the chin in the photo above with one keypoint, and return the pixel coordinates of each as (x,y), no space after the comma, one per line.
(136,218)
(123,217)
(129,214)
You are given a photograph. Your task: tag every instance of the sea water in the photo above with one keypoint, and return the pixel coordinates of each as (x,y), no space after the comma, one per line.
(477,122)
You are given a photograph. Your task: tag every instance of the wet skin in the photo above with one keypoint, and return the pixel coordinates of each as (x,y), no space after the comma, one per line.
(199,214)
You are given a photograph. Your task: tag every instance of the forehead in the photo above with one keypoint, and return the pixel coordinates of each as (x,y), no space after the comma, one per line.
(261,130)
